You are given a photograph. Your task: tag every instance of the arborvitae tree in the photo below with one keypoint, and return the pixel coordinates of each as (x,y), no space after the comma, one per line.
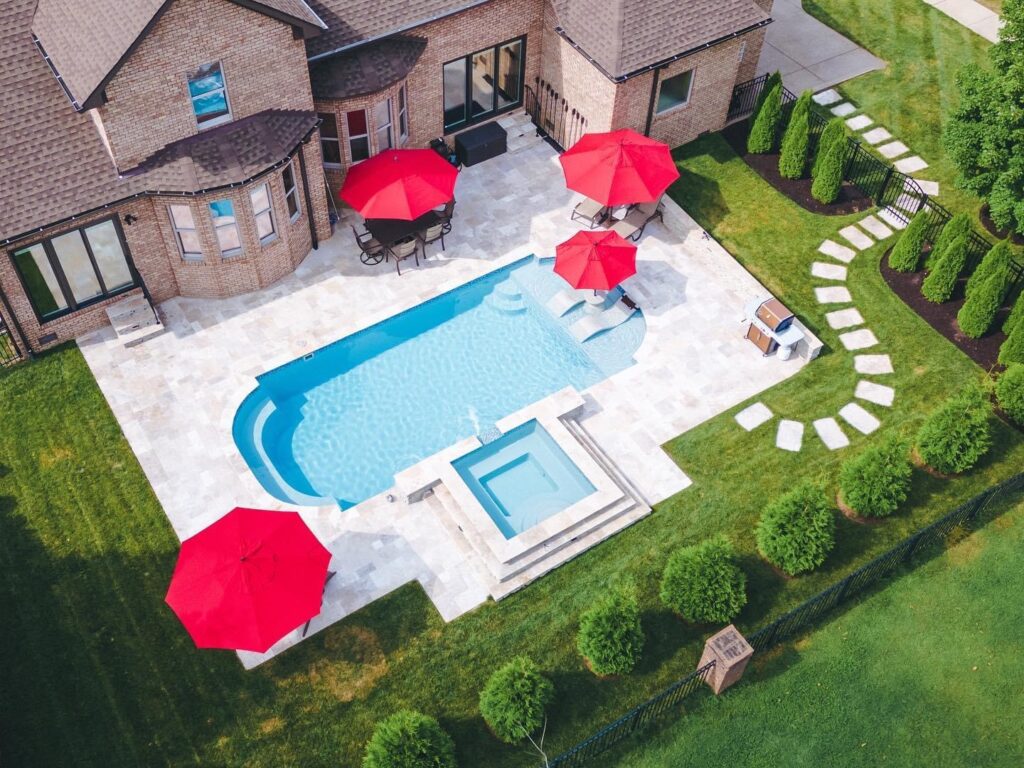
(514,699)
(954,438)
(774,79)
(793,160)
(765,129)
(829,180)
(938,287)
(1012,350)
(833,131)
(1010,392)
(997,259)
(958,226)
(979,311)
(906,255)
(1016,316)
(409,739)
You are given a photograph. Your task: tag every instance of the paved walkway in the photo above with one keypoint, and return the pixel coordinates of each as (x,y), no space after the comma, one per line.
(975,16)
(810,54)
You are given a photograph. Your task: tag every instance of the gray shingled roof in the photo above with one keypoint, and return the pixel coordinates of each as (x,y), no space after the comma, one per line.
(87,40)
(624,36)
(367,69)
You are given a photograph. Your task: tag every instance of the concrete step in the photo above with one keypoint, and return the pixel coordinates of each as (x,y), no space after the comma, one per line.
(134,320)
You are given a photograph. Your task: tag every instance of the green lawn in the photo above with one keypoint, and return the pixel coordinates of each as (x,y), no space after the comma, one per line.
(94,666)
(925,672)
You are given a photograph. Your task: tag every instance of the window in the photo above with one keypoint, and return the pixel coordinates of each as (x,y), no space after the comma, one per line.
(185,232)
(330,145)
(382,125)
(263,212)
(75,269)
(403,117)
(291,194)
(675,91)
(482,84)
(226,227)
(209,95)
(358,135)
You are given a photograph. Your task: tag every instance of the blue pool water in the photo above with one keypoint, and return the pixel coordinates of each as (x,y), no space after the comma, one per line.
(523,477)
(338,424)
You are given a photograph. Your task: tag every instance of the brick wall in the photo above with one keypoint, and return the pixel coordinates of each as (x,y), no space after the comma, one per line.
(148,103)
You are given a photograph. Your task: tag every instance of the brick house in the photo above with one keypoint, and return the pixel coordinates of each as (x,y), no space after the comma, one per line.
(193,147)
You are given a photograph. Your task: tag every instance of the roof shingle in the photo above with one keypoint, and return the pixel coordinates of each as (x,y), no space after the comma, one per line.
(366,69)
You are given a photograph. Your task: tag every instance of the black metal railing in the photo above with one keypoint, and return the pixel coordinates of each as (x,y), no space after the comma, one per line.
(556,120)
(9,350)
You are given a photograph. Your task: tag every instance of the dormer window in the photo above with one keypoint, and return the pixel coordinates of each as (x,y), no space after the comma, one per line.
(209,96)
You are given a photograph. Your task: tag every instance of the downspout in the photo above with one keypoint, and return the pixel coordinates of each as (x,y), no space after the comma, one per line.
(654,95)
(309,202)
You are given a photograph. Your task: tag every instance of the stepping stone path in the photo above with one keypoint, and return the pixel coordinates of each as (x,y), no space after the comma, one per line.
(844,109)
(859,122)
(833,295)
(856,237)
(837,251)
(790,436)
(892,219)
(753,416)
(828,271)
(859,419)
(876,136)
(910,164)
(844,318)
(873,364)
(860,339)
(879,394)
(823,99)
(893,149)
(831,434)
(930,188)
(873,225)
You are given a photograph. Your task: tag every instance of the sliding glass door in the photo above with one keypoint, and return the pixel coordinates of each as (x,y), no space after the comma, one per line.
(483,84)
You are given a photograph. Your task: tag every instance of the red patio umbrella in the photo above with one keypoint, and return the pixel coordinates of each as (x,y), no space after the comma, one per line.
(600,260)
(619,168)
(248,580)
(399,184)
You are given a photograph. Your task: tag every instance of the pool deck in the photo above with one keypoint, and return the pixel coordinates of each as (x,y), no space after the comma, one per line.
(175,396)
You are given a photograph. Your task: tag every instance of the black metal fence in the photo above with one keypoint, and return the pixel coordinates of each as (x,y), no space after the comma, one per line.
(796,621)
(557,121)
(9,351)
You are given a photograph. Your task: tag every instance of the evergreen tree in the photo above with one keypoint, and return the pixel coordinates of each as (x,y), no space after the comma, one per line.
(957,227)
(979,311)
(941,281)
(793,160)
(765,129)
(833,131)
(829,180)
(996,260)
(906,255)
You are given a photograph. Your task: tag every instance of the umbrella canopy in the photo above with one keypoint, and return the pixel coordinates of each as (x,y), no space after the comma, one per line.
(619,168)
(399,184)
(248,580)
(599,260)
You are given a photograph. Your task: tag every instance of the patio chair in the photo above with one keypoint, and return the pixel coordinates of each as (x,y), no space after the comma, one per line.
(589,211)
(626,229)
(641,215)
(372,251)
(402,250)
(431,235)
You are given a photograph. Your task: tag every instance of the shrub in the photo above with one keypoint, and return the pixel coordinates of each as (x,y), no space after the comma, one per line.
(996,260)
(610,635)
(703,584)
(513,701)
(955,437)
(774,79)
(906,255)
(957,227)
(797,531)
(409,739)
(829,180)
(979,311)
(1016,316)
(1010,392)
(765,128)
(833,132)
(1012,350)
(941,281)
(793,160)
(877,481)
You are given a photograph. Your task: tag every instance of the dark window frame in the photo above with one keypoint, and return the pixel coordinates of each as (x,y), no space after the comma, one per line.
(291,194)
(495,111)
(62,281)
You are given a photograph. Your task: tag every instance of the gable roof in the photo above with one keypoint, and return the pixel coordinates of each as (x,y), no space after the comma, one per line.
(87,41)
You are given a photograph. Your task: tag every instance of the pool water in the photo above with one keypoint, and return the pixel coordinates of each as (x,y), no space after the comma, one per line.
(522,478)
(338,424)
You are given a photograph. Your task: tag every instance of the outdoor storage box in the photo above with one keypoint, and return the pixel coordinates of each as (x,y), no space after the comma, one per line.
(479,144)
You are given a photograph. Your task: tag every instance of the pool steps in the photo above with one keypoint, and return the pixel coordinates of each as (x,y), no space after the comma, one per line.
(507,297)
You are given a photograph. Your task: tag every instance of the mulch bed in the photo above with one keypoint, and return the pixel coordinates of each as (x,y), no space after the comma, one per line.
(851,200)
(851,514)
(942,317)
(995,231)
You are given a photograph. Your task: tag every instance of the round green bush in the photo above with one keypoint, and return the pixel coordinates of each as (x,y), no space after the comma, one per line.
(1012,350)
(834,131)
(765,128)
(1016,316)
(797,531)
(906,255)
(793,160)
(703,584)
(514,699)
(829,180)
(957,227)
(409,739)
(610,637)
(938,287)
(957,435)
(1010,392)
(997,260)
(876,482)
(979,312)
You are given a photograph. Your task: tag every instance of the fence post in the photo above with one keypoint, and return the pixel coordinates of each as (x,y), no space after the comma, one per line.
(730,653)
(885,185)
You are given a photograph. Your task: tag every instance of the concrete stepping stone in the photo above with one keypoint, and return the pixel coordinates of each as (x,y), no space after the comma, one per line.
(790,436)
(859,122)
(856,237)
(833,295)
(828,271)
(859,419)
(844,318)
(910,164)
(930,188)
(753,416)
(824,98)
(844,109)
(876,136)
(874,364)
(860,339)
(893,149)
(875,227)
(892,218)
(831,434)
(879,394)
(837,251)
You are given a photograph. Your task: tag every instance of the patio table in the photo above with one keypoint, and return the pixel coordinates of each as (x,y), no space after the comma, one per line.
(390,231)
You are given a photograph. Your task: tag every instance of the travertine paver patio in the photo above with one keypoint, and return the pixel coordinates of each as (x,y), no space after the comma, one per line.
(176,396)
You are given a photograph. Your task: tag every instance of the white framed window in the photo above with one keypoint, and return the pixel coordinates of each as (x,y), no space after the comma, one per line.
(330,143)
(358,135)
(382,125)
(208,91)
(225,225)
(263,212)
(675,91)
(291,192)
(403,116)
(185,233)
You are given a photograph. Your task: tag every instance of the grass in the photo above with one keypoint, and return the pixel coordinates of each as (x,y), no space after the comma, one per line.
(95,666)
(926,671)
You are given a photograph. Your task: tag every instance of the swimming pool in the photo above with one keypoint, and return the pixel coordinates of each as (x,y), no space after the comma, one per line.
(336,425)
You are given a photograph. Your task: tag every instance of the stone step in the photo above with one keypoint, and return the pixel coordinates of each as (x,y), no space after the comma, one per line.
(134,320)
